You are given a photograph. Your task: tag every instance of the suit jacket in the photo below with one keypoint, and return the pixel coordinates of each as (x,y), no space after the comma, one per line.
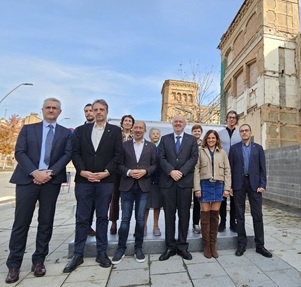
(184,161)
(257,166)
(28,152)
(148,161)
(107,156)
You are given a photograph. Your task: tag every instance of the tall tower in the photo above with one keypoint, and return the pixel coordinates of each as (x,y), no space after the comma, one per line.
(179,98)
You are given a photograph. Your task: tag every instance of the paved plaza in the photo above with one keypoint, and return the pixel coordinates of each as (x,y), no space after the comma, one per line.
(282,236)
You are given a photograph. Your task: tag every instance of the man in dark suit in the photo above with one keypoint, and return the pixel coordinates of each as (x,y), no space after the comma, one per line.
(138,165)
(97,151)
(89,120)
(248,170)
(178,154)
(42,152)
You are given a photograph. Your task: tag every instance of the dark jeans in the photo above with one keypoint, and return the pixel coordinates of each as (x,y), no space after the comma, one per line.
(86,194)
(26,199)
(196,213)
(255,200)
(223,211)
(135,194)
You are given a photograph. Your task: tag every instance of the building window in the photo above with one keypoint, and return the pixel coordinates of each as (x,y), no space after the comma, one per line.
(252,73)
(239,83)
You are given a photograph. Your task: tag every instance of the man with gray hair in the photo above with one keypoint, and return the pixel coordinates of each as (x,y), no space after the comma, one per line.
(178,154)
(42,151)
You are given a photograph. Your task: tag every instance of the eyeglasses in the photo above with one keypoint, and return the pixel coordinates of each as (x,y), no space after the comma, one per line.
(232,118)
(244,131)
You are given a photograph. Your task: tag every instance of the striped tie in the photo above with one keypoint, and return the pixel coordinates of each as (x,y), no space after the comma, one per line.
(48,144)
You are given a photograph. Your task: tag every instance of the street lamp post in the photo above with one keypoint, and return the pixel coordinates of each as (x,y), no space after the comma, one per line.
(23,84)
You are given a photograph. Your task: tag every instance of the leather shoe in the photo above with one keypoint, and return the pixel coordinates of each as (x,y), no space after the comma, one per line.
(240,251)
(13,275)
(103,260)
(185,254)
(91,232)
(38,269)
(166,254)
(264,252)
(221,227)
(72,265)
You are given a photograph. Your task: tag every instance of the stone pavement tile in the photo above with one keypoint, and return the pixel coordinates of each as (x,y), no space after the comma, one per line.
(130,263)
(224,281)
(134,277)
(231,260)
(289,255)
(54,281)
(206,270)
(174,264)
(296,264)
(198,257)
(286,278)
(100,283)
(250,276)
(179,279)
(85,273)
(268,264)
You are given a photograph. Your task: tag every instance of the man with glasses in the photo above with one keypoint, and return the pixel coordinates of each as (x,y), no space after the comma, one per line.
(229,136)
(248,170)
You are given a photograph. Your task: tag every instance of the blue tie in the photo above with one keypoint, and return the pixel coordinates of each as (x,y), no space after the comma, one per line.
(178,143)
(48,144)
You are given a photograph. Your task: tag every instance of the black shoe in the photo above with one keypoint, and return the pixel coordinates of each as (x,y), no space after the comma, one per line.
(233,227)
(264,252)
(118,256)
(240,251)
(185,254)
(222,227)
(166,254)
(13,275)
(72,265)
(103,260)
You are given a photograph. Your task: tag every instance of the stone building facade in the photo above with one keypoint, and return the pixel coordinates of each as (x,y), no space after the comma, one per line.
(181,98)
(260,71)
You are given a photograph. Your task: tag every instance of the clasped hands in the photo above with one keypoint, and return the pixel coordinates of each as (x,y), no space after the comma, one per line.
(41,176)
(176,175)
(137,173)
(94,176)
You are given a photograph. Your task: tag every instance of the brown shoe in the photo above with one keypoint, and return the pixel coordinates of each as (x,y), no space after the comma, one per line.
(38,269)
(91,232)
(12,276)
(113,229)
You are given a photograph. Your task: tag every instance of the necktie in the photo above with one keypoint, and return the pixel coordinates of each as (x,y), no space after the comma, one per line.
(178,143)
(48,144)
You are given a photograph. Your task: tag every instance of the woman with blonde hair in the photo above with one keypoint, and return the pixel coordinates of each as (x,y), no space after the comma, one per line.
(212,181)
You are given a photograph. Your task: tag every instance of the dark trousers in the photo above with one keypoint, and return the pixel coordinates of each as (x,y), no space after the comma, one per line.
(223,211)
(26,199)
(176,199)
(92,213)
(255,200)
(135,194)
(86,194)
(196,212)
(114,206)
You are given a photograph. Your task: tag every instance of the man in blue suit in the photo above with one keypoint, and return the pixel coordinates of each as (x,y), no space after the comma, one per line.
(248,170)
(42,152)
(178,154)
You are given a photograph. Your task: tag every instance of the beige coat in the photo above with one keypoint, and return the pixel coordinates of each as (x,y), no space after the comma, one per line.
(203,168)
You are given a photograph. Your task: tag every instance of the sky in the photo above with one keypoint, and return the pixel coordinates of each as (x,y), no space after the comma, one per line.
(121,51)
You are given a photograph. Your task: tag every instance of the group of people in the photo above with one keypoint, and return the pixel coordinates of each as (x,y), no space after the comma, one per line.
(113,162)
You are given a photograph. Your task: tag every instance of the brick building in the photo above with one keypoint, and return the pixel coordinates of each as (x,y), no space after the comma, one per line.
(260,70)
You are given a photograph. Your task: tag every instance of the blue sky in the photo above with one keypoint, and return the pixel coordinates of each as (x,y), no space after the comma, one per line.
(122,51)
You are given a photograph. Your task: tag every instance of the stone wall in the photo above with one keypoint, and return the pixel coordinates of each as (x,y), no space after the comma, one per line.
(284,175)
